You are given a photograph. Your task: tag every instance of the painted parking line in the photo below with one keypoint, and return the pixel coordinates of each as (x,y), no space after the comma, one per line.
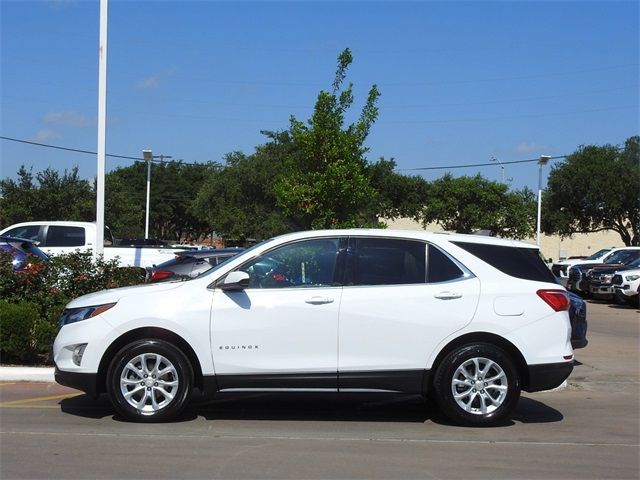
(37,399)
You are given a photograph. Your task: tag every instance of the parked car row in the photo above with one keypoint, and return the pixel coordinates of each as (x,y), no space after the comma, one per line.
(616,277)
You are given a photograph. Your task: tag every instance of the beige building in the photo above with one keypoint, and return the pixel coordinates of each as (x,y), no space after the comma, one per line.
(551,246)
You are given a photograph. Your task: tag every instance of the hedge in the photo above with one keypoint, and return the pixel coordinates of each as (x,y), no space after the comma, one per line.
(33,299)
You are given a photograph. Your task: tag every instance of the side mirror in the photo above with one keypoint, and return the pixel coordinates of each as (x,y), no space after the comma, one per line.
(234,282)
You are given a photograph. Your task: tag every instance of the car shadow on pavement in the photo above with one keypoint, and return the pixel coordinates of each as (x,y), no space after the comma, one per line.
(329,407)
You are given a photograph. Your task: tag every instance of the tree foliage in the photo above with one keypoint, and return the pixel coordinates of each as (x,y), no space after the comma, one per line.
(239,201)
(466,204)
(48,195)
(174,187)
(325,184)
(396,195)
(596,188)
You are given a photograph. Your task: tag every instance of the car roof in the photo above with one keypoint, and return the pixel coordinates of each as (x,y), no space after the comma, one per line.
(436,237)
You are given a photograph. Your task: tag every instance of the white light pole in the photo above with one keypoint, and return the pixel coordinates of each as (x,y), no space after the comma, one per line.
(102,129)
(544,159)
(148,157)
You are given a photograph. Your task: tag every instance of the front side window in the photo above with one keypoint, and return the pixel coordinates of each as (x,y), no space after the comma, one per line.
(29,232)
(386,261)
(62,236)
(310,263)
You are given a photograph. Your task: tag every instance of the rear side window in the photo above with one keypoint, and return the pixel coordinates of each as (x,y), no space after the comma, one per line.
(386,261)
(62,236)
(517,262)
(440,268)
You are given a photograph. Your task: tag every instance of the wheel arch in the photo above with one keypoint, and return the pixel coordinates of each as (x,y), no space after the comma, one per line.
(482,337)
(144,333)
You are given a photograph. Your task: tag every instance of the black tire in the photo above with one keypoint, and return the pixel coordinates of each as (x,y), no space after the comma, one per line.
(477,407)
(137,394)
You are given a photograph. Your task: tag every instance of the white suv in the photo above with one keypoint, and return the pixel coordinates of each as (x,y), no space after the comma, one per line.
(467,320)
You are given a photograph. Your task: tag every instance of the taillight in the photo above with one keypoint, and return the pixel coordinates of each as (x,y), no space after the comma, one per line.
(556,299)
(158,275)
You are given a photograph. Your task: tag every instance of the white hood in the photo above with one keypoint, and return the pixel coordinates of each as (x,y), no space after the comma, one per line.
(115,294)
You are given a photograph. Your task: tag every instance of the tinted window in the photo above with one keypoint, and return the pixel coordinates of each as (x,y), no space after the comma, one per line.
(61,236)
(441,268)
(623,256)
(598,254)
(309,263)
(522,263)
(386,261)
(30,232)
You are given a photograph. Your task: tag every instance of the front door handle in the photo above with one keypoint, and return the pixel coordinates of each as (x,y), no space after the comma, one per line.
(448,295)
(319,300)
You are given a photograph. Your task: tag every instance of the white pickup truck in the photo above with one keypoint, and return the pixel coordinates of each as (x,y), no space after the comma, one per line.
(56,237)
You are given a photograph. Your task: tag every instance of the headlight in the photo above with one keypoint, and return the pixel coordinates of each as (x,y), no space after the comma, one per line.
(73,315)
(606,278)
(632,278)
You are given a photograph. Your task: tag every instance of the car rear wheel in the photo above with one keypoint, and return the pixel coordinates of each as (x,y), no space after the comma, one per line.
(149,381)
(477,385)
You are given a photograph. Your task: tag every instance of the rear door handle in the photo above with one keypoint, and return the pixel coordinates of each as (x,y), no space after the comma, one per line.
(448,295)
(319,300)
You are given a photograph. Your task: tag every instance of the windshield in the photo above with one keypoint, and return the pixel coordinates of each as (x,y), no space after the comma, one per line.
(623,256)
(214,269)
(598,254)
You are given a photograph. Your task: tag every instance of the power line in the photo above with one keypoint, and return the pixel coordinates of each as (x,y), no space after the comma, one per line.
(479,164)
(77,150)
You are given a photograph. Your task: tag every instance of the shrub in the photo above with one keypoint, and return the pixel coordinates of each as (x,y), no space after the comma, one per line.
(17,322)
(39,293)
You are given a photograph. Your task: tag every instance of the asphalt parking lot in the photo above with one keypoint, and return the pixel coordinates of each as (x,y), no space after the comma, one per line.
(588,430)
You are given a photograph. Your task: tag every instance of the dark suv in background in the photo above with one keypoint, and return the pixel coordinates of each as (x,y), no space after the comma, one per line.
(190,264)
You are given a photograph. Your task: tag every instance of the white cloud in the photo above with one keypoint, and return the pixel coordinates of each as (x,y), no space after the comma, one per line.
(149,83)
(45,134)
(68,118)
(530,147)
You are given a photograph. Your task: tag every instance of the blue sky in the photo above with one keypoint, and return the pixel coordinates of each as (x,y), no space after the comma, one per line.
(461,82)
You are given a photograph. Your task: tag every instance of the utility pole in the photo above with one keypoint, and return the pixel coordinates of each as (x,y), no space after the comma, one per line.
(544,159)
(148,158)
(98,248)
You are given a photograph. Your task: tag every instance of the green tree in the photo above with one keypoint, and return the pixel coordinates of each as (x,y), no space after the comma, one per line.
(325,184)
(239,201)
(596,188)
(48,196)
(396,195)
(174,187)
(466,204)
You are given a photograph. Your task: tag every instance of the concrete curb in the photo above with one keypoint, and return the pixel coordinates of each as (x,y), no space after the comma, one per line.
(26,374)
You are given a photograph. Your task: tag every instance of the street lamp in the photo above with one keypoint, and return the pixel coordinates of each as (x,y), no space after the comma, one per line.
(494,159)
(544,159)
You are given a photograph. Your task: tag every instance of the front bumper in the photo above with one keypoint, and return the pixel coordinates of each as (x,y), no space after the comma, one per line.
(547,376)
(87,382)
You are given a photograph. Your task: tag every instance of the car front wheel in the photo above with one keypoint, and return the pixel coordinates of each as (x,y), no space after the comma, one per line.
(477,385)
(149,381)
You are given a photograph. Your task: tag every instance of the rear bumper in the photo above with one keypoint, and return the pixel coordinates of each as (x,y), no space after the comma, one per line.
(87,382)
(547,376)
